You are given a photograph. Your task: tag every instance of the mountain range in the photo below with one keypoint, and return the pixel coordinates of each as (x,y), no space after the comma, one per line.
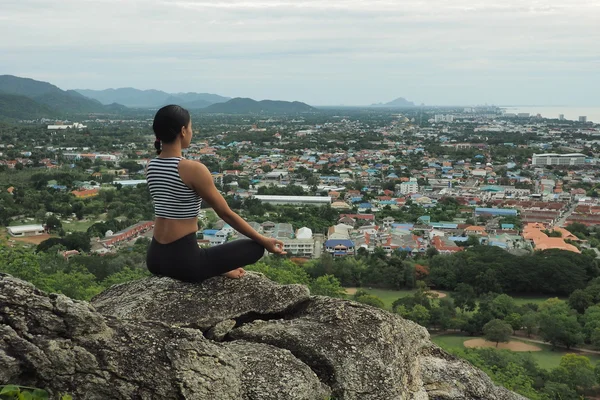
(41,99)
(131,97)
(25,98)
(400,102)
(248,106)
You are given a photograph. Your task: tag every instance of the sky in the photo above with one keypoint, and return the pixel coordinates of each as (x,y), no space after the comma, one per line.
(323,52)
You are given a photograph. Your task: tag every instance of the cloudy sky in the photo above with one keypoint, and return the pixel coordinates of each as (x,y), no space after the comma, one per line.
(324,52)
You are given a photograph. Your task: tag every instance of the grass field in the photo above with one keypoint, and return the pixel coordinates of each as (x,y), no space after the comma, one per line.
(547,358)
(77,226)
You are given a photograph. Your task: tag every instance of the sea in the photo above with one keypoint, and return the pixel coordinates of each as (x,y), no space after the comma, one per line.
(571,113)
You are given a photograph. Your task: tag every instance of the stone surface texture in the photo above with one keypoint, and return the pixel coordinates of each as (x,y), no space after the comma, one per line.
(250,339)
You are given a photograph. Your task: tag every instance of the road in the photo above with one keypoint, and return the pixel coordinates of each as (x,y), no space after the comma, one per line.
(561,347)
(561,221)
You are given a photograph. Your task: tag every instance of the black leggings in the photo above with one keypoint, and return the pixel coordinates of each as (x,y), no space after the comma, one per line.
(183,259)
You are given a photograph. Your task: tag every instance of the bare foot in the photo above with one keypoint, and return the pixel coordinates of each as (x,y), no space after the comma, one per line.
(236,273)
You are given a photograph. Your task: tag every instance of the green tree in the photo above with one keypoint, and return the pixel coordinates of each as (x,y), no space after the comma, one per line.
(53,223)
(465,297)
(285,272)
(503,305)
(369,299)
(558,325)
(327,285)
(559,391)
(579,300)
(420,315)
(497,331)
(515,321)
(579,372)
(530,322)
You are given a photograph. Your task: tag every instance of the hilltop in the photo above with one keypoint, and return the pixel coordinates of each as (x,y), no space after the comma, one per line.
(400,102)
(240,105)
(20,107)
(45,99)
(158,338)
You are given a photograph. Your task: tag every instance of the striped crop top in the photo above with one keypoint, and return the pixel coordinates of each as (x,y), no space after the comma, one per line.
(172,198)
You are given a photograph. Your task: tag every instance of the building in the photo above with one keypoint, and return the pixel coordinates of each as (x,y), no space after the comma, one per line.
(570,159)
(25,230)
(496,212)
(409,187)
(541,241)
(444,245)
(215,237)
(127,233)
(583,118)
(217,178)
(340,247)
(295,200)
(339,231)
(303,245)
(561,117)
(130,182)
(75,125)
(85,194)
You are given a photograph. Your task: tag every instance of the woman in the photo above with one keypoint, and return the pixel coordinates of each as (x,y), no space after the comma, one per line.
(177,187)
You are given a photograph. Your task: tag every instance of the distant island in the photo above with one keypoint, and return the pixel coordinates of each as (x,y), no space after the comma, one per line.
(400,102)
(136,98)
(240,105)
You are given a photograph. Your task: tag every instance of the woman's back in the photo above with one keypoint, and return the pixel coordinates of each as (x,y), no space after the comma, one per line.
(173,199)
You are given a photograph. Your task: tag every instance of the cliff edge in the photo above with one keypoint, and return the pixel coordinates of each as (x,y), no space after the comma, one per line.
(158,338)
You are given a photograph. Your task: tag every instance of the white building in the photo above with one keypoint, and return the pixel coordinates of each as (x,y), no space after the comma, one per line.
(75,125)
(295,200)
(572,159)
(299,247)
(130,182)
(339,231)
(25,230)
(409,187)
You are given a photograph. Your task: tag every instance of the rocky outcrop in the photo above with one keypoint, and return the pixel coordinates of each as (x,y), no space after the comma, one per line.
(158,338)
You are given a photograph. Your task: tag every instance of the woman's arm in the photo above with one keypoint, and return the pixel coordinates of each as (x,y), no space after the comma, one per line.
(202,182)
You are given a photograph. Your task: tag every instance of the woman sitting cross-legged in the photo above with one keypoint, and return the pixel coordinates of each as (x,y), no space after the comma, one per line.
(177,187)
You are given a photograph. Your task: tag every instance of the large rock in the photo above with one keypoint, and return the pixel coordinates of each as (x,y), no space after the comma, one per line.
(446,377)
(146,340)
(270,373)
(361,352)
(66,346)
(200,306)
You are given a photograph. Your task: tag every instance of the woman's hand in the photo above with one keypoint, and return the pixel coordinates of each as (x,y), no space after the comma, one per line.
(273,245)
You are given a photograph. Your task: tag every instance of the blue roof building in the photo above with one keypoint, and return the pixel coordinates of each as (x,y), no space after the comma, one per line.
(444,225)
(340,247)
(403,226)
(496,211)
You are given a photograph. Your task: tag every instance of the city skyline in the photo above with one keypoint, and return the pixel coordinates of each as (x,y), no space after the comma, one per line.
(322,53)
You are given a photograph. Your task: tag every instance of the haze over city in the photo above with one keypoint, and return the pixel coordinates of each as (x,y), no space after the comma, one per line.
(320,52)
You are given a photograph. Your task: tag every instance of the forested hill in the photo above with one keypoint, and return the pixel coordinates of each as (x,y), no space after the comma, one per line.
(249,106)
(44,94)
(20,107)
